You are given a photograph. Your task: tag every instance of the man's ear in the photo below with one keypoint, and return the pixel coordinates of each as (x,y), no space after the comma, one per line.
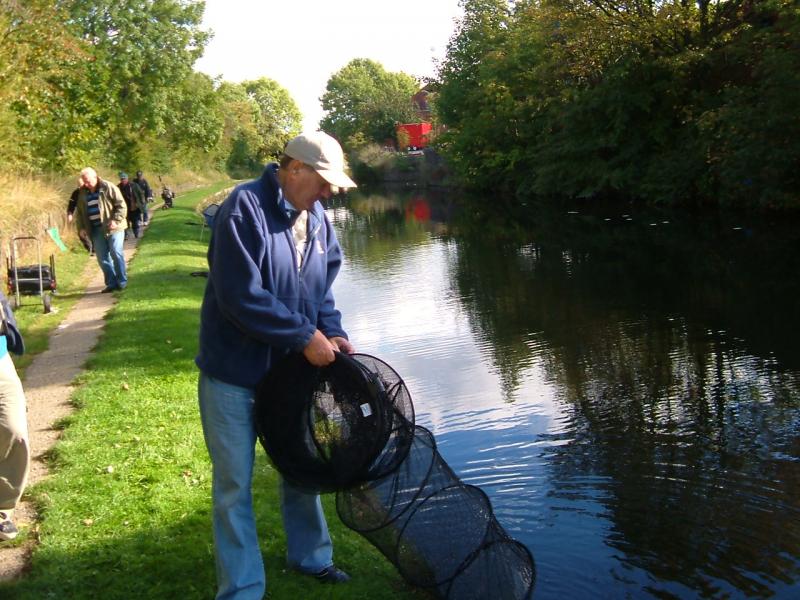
(295,166)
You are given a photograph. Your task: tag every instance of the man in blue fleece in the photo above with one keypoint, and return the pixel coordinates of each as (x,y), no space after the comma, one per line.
(272,260)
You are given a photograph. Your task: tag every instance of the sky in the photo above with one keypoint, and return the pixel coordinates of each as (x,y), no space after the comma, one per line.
(301,43)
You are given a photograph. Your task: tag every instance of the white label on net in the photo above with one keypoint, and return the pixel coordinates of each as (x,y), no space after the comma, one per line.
(366,410)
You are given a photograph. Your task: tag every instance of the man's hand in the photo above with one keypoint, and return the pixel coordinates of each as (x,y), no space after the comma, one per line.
(112,225)
(319,351)
(342,345)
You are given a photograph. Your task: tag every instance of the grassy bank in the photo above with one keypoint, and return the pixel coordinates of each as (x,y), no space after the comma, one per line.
(126,513)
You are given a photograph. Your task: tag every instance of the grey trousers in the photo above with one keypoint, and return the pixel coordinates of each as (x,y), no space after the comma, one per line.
(14,447)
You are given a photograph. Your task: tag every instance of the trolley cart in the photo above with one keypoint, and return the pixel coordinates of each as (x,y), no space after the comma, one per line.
(31,280)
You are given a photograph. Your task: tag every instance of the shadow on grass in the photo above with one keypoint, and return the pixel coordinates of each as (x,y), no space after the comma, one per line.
(161,561)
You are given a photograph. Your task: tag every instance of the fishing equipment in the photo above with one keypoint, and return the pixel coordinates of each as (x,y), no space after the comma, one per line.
(349,428)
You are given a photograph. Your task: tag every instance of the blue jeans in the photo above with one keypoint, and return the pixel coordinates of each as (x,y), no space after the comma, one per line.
(111,257)
(226,412)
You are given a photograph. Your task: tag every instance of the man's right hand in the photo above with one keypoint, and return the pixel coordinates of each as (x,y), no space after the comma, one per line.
(319,351)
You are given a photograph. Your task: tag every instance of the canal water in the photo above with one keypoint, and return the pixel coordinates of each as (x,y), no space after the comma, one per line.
(625,386)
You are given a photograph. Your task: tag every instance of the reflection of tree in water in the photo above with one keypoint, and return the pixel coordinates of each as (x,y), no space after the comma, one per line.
(697,437)
(373,229)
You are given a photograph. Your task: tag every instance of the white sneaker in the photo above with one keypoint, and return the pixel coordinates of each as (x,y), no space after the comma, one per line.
(8,531)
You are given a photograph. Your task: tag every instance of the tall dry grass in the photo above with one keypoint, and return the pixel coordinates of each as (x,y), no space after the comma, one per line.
(28,207)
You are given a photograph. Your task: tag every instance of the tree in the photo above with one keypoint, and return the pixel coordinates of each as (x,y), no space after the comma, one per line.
(665,102)
(114,96)
(278,119)
(35,50)
(364,102)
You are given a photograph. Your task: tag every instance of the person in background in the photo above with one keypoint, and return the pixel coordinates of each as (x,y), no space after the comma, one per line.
(100,214)
(73,203)
(134,201)
(148,196)
(273,257)
(14,447)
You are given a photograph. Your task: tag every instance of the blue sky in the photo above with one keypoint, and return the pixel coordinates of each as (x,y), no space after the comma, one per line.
(301,43)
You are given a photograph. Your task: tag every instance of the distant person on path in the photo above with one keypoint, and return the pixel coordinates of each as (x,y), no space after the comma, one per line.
(134,201)
(148,195)
(14,447)
(273,257)
(101,214)
(71,206)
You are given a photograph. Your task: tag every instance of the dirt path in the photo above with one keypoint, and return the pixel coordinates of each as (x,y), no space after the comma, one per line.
(48,387)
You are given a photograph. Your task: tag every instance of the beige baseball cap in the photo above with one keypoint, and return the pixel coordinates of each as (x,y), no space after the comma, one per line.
(322,153)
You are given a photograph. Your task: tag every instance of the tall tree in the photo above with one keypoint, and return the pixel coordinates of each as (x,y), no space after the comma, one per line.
(278,117)
(363,102)
(35,50)
(120,88)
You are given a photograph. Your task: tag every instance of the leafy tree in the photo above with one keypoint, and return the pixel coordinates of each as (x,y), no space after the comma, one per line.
(35,49)
(278,119)
(668,101)
(239,144)
(363,103)
(197,129)
(114,97)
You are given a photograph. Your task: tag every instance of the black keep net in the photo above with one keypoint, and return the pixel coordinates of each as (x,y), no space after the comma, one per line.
(349,427)
(331,428)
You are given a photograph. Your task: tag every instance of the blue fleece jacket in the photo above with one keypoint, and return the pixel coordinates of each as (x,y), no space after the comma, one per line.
(257,305)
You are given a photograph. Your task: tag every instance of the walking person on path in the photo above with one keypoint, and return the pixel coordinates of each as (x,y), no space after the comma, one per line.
(101,214)
(148,196)
(134,201)
(15,453)
(273,257)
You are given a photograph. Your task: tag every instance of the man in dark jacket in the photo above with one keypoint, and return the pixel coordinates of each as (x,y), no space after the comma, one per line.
(273,257)
(148,195)
(134,200)
(14,447)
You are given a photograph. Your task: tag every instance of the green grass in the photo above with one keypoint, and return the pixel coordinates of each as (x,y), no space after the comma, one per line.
(126,513)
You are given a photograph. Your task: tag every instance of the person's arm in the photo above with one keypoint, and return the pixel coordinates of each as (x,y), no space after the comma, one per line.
(72,205)
(80,215)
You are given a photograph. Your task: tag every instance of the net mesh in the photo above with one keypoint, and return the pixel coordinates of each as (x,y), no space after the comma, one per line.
(349,428)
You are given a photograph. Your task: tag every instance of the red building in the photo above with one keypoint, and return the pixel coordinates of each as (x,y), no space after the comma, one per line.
(413,136)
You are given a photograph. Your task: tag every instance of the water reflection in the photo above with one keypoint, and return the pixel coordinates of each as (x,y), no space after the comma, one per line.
(626,388)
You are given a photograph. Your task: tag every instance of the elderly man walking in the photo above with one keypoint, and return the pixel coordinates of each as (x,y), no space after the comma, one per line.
(101,214)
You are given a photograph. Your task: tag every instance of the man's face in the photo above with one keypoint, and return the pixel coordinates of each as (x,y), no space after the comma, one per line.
(304,186)
(89,180)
